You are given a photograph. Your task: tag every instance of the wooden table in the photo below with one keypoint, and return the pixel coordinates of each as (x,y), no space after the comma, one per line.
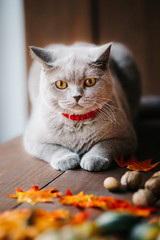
(18,169)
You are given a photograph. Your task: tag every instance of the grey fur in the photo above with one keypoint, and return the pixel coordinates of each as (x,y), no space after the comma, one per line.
(91,143)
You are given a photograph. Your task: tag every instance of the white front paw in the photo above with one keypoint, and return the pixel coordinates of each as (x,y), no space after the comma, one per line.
(94,163)
(65,162)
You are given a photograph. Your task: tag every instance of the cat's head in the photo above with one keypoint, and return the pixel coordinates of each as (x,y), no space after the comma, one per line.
(75,79)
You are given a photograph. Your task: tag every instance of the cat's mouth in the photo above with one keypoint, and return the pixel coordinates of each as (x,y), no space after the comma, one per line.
(77,107)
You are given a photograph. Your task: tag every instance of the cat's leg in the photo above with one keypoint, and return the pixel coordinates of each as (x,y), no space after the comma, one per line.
(101,154)
(63,159)
(58,156)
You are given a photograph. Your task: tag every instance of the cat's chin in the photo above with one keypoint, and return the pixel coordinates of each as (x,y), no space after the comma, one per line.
(76,110)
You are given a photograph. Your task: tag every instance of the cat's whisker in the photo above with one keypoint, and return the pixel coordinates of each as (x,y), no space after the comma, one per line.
(113,113)
(108,101)
(109,115)
(105,115)
(108,112)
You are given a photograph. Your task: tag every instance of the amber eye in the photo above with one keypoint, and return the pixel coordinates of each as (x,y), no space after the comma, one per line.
(90,82)
(61,84)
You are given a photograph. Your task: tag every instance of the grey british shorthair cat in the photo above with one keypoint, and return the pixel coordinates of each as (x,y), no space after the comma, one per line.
(84,99)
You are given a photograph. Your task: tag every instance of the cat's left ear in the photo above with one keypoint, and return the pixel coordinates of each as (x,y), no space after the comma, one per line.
(43,56)
(102,55)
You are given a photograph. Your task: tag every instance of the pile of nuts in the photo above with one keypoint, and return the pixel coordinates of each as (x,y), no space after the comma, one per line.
(132,180)
(150,195)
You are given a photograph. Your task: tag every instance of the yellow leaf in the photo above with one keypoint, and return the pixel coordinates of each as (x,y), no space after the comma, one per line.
(34,195)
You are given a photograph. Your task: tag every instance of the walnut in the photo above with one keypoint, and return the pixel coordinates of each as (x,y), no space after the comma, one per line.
(143,198)
(156,174)
(131,180)
(153,184)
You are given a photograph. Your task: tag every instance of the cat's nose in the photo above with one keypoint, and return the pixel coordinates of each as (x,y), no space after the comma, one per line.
(77,98)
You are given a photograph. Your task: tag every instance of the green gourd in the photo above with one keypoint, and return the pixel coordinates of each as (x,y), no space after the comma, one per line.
(144,231)
(114,222)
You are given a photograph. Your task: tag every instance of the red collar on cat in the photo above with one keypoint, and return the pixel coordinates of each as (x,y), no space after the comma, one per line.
(81,117)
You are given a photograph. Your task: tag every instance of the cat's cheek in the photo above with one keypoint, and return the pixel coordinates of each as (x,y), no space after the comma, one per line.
(63,104)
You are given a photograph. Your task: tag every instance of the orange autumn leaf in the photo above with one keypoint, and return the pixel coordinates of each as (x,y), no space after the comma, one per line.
(28,224)
(79,218)
(135,165)
(107,203)
(34,195)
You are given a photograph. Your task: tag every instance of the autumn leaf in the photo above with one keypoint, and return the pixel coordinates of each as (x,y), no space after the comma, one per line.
(34,195)
(121,162)
(135,165)
(79,218)
(28,224)
(107,203)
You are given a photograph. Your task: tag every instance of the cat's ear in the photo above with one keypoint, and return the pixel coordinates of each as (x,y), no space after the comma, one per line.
(42,55)
(102,55)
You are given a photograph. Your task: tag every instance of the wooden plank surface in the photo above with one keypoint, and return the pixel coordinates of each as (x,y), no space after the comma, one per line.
(18,169)
(89,182)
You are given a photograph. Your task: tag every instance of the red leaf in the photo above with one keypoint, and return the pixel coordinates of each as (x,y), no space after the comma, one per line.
(135,165)
(68,192)
(121,162)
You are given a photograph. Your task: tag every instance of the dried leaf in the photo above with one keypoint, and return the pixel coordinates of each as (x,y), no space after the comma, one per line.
(121,162)
(78,218)
(135,165)
(107,203)
(28,224)
(34,195)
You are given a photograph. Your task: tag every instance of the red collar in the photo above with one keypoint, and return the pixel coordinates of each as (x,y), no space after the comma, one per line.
(81,117)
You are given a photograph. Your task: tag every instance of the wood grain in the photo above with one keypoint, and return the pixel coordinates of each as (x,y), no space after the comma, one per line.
(79,180)
(18,169)
(88,182)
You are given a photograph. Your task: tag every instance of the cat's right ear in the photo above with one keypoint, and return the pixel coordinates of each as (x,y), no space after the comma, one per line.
(42,55)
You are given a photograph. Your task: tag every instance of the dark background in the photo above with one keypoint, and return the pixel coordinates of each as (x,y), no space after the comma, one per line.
(135,23)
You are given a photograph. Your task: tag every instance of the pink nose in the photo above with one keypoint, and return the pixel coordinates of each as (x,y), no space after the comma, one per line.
(77,98)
